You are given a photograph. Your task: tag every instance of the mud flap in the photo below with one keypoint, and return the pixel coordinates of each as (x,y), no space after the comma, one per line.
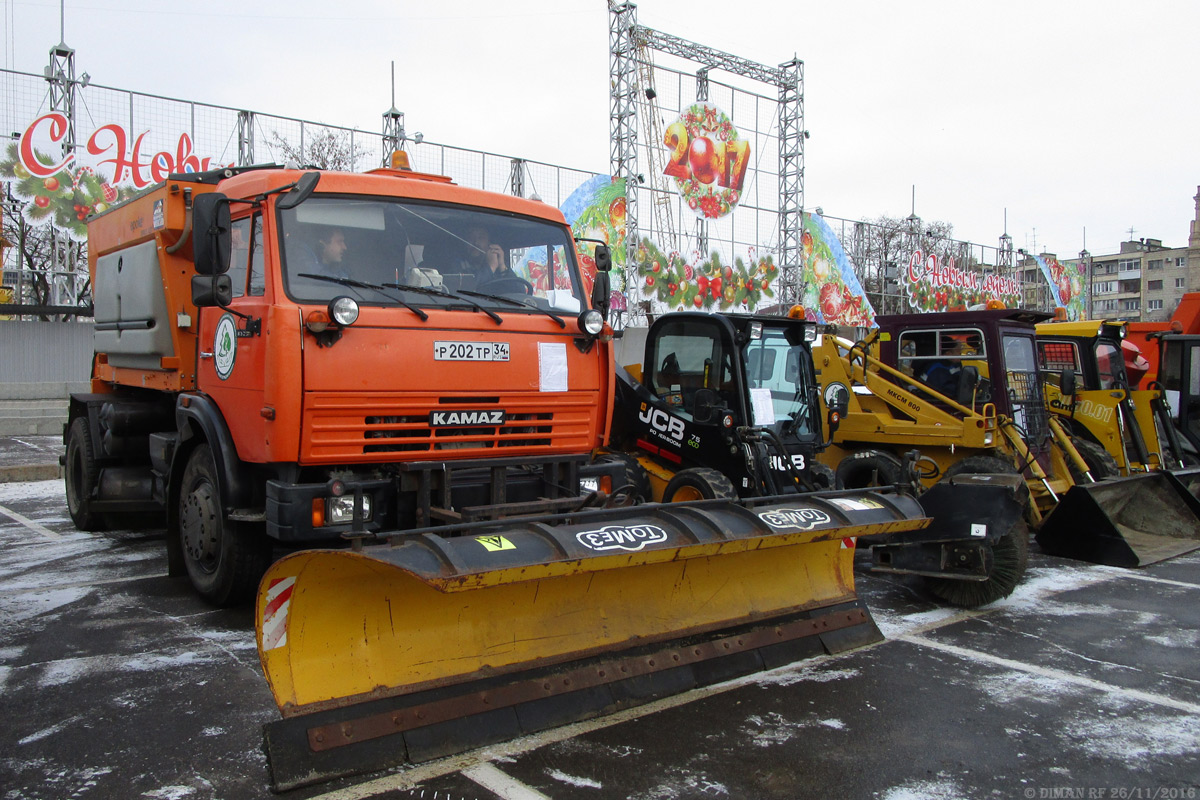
(1124,522)
(970,513)
(401,654)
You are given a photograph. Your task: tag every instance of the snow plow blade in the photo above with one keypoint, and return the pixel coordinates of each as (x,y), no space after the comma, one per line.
(403,653)
(1124,522)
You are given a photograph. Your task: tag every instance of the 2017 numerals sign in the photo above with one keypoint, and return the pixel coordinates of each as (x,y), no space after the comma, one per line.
(707,161)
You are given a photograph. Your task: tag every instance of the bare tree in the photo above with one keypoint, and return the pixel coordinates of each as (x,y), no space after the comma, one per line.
(42,254)
(883,246)
(328,149)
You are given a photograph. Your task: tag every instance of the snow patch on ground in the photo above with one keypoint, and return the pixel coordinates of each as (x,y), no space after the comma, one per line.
(1179,638)
(767,730)
(683,786)
(171,793)
(926,790)
(35,604)
(33,490)
(893,626)
(801,673)
(45,732)
(573,780)
(1139,741)
(69,670)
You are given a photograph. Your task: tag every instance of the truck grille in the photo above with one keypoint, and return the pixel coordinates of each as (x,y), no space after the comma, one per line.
(354,429)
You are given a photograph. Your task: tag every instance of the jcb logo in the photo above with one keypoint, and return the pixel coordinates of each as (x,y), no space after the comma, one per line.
(662,421)
(779,465)
(801,519)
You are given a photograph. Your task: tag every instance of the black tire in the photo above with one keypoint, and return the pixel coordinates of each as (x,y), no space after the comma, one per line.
(980,465)
(80,477)
(1010,558)
(869,468)
(224,560)
(823,476)
(698,483)
(1100,462)
(636,480)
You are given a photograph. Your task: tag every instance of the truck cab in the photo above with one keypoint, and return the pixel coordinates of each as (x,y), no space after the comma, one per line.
(298,358)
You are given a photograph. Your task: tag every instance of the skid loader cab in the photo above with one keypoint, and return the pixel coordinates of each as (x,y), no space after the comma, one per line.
(734,394)
(977,358)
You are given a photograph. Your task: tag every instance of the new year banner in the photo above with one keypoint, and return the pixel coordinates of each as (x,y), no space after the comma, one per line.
(110,165)
(832,292)
(708,160)
(1068,285)
(696,281)
(933,284)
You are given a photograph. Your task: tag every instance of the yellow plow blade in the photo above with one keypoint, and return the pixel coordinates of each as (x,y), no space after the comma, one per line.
(403,653)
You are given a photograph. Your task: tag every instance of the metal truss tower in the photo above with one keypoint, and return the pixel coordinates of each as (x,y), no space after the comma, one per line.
(625,38)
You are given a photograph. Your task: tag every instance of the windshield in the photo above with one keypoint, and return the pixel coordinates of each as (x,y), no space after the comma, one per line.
(345,246)
(779,386)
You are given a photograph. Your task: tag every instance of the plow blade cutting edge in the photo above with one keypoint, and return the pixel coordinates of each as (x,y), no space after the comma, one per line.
(400,654)
(1124,522)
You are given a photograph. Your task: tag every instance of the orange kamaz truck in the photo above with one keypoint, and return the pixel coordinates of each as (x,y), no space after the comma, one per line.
(292,358)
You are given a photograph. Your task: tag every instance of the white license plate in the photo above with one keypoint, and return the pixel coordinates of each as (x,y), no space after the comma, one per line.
(470,351)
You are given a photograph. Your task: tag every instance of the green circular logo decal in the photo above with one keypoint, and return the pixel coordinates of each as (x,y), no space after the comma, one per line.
(225,346)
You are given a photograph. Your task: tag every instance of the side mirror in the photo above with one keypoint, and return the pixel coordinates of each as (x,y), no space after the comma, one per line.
(211,240)
(1066,382)
(212,290)
(706,406)
(837,401)
(304,188)
(603,258)
(601,294)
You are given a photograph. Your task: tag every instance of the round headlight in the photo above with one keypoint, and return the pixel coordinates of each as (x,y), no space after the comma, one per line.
(591,322)
(343,310)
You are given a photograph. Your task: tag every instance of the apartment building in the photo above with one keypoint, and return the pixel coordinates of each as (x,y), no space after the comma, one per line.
(1145,281)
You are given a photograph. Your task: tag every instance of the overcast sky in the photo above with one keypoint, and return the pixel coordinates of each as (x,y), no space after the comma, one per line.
(1067,115)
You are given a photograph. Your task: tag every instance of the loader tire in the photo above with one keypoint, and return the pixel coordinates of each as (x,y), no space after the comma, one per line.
(822,476)
(636,482)
(698,483)
(1100,462)
(869,468)
(980,465)
(80,477)
(224,560)
(1010,557)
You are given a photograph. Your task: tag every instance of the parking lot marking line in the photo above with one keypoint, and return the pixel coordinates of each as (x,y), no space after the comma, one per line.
(490,777)
(1033,669)
(28,523)
(1164,581)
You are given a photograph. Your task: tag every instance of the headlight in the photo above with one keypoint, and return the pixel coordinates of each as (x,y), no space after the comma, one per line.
(590,322)
(340,510)
(987,438)
(343,310)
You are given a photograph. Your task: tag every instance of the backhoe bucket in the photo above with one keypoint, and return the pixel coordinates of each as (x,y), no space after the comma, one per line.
(403,653)
(1124,522)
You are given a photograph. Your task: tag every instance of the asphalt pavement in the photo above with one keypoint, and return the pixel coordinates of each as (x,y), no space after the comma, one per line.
(117,682)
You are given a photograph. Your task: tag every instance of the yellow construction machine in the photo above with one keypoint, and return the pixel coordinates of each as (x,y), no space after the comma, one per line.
(965,388)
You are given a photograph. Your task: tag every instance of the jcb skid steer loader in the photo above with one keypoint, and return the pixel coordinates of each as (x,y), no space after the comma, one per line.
(433,644)
(991,415)
(729,405)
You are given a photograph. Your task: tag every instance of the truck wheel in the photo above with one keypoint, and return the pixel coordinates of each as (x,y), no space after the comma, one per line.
(636,480)
(869,468)
(1100,462)
(224,561)
(1010,556)
(80,477)
(698,483)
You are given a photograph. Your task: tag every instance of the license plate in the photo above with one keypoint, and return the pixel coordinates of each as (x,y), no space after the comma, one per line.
(470,351)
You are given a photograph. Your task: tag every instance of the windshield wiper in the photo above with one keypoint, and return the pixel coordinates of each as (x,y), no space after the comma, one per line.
(444,292)
(362,285)
(514,302)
